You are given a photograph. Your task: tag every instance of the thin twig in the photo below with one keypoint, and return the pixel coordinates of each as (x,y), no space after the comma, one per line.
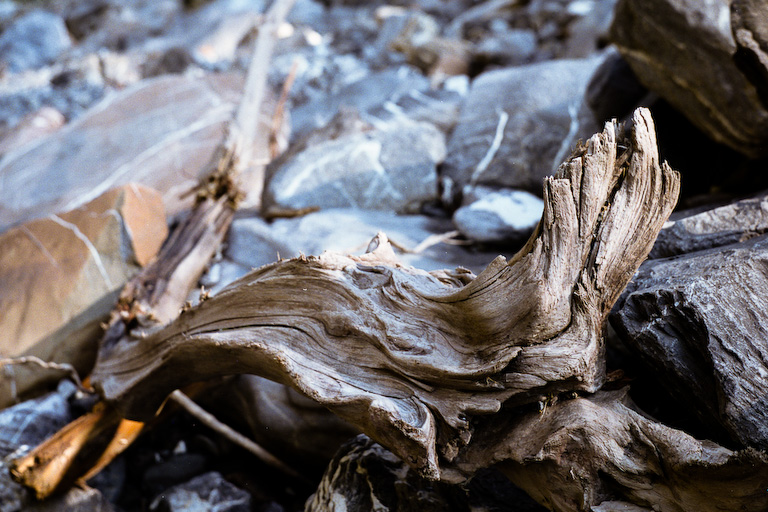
(6,364)
(243,128)
(277,118)
(228,432)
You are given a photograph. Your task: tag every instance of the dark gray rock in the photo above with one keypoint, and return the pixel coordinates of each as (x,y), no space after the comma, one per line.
(365,477)
(519,124)
(33,40)
(24,426)
(699,323)
(684,51)
(31,422)
(498,215)
(209,492)
(724,225)
(392,168)
(614,91)
(749,24)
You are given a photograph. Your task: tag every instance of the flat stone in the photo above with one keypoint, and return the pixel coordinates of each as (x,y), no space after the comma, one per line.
(684,51)
(392,168)
(204,493)
(61,276)
(691,231)
(515,139)
(32,127)
(253,242)
(33,40)
(161,132)
(499,215)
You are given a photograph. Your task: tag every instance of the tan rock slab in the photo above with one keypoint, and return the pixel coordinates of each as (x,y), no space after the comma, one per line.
(60,277)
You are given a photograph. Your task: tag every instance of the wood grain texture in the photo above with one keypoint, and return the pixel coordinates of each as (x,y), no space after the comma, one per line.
(414,358)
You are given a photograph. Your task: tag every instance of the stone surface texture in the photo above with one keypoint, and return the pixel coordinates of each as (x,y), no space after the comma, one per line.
(750,29)
(698,321)
(684,51)
(498,215)
(518,124)
(207,492)
(690,231)
(162,133)
(394,168)
(66,271)
(33,40)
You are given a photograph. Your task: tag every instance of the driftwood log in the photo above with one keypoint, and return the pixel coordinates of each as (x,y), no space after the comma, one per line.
(454,372)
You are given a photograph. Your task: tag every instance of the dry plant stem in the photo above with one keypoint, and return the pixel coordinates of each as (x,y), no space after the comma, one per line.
(243,130)
(236,437)
(6,365)
(278,118)
(418,360)
(47,468)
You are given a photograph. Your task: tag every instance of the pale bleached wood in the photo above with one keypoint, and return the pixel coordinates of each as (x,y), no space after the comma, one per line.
(415,359)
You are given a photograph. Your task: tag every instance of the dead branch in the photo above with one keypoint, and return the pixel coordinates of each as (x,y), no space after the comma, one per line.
(414,361)
(233,435)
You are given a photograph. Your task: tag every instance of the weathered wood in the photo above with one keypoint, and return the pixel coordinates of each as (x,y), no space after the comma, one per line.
(699,323)
(364,476)
(415,359)
(584,452)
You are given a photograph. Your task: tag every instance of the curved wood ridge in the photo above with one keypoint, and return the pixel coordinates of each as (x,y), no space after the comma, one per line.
(414,358)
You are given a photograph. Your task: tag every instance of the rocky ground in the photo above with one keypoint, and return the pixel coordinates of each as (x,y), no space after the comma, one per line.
(434,121)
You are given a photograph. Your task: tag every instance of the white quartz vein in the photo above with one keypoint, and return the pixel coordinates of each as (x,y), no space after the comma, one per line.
(495,145)
(91,248)
(40,246)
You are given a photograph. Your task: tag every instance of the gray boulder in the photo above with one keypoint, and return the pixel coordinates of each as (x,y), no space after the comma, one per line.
(698,321)
(392,168)
(684,52)
(33,40)
(499,215)
(161,132)
(367,92)
(518,124)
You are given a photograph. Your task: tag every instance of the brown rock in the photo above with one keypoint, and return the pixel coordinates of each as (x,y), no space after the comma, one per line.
(684,52)
(61,275)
